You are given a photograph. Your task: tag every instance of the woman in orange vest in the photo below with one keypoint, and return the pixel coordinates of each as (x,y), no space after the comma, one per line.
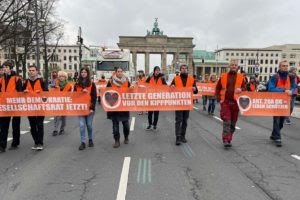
(156,79)
(181,116)
(85,84)
(9,83)
(119,81)
(229,84)
(35,83)
(63,86)
(252,85)
(212,99)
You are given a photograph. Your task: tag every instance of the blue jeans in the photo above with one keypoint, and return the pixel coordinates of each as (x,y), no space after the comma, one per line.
(211,105)
(86,121)
(277,126)
(293,98)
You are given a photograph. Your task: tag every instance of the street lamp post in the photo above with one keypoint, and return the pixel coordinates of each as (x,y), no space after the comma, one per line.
(79,43)
(38,22)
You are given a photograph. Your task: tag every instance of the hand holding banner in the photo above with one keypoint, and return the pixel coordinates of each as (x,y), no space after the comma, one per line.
(264,104)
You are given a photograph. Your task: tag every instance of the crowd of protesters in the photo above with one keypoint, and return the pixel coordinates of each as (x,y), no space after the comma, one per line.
(227,86)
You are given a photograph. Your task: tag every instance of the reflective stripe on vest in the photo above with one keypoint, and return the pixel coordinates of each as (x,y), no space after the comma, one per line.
(238,84)
(37,86)
(11,86)
(154,83)
(189,82)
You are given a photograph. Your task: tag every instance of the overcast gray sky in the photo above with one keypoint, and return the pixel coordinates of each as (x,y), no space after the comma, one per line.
(226,23)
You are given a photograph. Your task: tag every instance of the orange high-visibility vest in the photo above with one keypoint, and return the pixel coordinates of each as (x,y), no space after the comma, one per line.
(284,85)
(124,85)
(141,81)
(154,83)
(37,86)
(252,87)
(189,82)
(79,88)
(11,86)
(68,88)
(238,84)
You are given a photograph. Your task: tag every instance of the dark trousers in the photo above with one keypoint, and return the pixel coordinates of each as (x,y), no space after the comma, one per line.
(181,117)
(37,129)
(211,105)
(277,126)
(156,114)
(4,126)
(116,130)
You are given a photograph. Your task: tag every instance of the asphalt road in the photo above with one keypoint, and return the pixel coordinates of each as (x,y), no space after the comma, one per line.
(157,169)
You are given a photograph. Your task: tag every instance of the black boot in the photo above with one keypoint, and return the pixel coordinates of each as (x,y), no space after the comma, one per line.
(126,140)
(82,146)
(117,143)
(91,144)
(178,140)
(183,139)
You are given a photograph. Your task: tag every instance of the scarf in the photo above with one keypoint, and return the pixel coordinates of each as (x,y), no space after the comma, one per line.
(62,84)
(118,81)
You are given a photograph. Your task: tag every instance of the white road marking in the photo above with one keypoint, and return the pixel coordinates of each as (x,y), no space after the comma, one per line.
(196,108)
(46,122)
(51,118)
(24,132)
(9,139)
(124,179)
(222,120)
(295,156)
(132,124)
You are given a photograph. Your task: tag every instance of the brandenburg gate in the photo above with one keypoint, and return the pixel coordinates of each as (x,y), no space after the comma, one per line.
(156,42)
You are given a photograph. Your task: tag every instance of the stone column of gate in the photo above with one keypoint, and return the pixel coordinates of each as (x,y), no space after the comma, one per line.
(164,63)
(147,62)
(134,61)
(190,63)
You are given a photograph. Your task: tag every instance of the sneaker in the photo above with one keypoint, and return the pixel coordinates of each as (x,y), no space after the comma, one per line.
(148,128)
(91,144)
(82,146)
(288,122)
(278,142)
(178,140)
(39,147)
(13,147)
(140,113)
(154,128)
(54,133)
(34,147)
(61,132)
(2,150)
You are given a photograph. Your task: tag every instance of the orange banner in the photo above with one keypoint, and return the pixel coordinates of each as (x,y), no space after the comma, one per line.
(264,104)
(147,98)
(44,104)
(206,89)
